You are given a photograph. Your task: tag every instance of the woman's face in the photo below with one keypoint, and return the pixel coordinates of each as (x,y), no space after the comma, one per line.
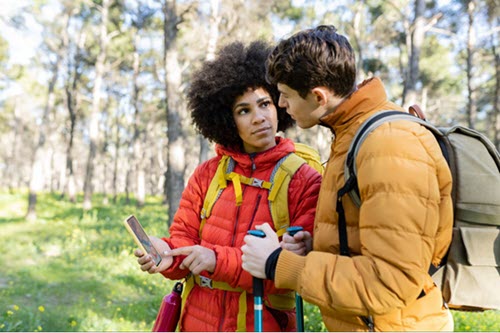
(256,119)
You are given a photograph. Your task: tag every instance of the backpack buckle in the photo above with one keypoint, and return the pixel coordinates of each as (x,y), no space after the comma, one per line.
(206,282)
(257,182)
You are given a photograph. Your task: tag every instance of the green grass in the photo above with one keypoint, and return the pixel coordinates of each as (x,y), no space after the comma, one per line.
(72,270)
(75,271)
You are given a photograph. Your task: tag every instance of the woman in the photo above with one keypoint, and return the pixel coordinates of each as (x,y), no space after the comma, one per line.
(233,106)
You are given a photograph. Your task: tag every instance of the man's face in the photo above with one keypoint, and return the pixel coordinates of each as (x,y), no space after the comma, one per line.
(306,112)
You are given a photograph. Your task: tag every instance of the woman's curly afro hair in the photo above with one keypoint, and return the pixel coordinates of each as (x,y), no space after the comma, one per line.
(215,87)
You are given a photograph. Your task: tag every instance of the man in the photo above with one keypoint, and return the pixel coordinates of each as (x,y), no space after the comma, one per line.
(404,222)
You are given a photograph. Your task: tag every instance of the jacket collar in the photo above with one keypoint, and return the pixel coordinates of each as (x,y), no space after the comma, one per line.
(261,160)
(368,96)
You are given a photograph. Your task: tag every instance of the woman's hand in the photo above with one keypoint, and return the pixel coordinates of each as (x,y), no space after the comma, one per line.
(198,258)
(256,251)
(146,260)
(300,243)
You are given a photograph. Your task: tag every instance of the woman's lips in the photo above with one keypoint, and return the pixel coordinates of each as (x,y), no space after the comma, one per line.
(261,130)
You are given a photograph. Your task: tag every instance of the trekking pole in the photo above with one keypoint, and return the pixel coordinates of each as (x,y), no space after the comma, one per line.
(299,304)
(258,291)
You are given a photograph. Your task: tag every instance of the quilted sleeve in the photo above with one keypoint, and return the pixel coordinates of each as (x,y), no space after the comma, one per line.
(185,227)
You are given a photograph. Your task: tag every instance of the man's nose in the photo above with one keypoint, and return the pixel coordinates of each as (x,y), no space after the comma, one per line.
(281,102)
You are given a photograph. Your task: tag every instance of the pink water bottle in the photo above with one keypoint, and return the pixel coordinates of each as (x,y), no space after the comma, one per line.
(170,311)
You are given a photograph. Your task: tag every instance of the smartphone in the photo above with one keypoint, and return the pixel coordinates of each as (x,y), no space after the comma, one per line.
(141,238)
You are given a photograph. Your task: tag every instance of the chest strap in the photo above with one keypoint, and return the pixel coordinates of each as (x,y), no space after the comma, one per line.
(209,283)
(237,179)
(275,301)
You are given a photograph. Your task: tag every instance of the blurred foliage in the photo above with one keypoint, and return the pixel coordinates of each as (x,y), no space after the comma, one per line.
(4,50)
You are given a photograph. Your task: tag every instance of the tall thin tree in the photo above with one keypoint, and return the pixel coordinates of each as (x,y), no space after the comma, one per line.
(104,38)
(175,109)
(39,156)
(471,110)
(213,37)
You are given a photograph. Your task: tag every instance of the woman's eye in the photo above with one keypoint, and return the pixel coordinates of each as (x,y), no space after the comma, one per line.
(243,111)
(266,104)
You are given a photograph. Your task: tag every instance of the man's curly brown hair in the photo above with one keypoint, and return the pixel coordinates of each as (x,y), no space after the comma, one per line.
(215,87)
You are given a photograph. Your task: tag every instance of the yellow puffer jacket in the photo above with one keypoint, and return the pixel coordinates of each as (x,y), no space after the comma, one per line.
(404,223)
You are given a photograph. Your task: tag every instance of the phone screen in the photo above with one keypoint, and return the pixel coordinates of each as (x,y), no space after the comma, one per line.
(141,238)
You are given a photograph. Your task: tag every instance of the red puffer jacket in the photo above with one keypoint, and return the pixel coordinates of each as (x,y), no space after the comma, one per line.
(215,309)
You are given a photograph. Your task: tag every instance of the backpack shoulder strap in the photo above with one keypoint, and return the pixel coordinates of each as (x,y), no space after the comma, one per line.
(278,194)
(350,170)
(217,185)
(280,179)
(310,155)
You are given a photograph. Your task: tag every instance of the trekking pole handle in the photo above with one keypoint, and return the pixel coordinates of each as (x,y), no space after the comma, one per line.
(256,233)
(258,291)
(293,230)
(258,285)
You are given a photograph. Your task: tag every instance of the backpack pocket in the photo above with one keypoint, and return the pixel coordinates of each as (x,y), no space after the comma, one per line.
(471,275)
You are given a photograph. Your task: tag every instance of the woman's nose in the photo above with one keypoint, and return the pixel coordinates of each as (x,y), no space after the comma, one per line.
(259,117)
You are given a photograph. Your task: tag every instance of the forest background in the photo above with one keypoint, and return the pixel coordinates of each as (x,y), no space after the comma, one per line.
(97,114)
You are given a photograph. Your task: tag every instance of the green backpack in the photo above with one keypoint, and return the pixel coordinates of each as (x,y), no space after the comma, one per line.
(469,275)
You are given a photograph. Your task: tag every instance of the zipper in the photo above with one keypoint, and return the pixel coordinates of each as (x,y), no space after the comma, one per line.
(223,307)
(236,221)
(259,196)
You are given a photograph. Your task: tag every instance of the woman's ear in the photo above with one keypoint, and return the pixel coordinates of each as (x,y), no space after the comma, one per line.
(321,95)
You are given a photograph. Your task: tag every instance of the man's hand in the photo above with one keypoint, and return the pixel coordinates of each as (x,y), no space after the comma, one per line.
(256,251)
(300,243)
(146,260)
(198,258)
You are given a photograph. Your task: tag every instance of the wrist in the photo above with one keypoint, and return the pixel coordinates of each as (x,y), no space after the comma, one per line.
(271,263)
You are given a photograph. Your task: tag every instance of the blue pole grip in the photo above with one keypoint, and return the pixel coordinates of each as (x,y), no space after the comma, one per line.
(256,233)
(293,230)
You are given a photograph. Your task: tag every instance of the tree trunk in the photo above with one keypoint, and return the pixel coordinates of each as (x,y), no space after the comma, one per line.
(213,37)
(410,95)
(12,158)
(175,111)
(96,104)
(39,157)
(70,187)
(117,145)
(72,105)
(357,33)
(40,154)
(136,143)
(471,44)
(104,152)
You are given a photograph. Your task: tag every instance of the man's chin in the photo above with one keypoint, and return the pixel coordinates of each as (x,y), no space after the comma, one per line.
(304,125)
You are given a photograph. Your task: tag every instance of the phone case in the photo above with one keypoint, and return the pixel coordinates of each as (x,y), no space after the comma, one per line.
(141,238)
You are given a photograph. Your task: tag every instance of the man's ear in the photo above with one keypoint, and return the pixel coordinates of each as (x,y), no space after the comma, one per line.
(321,95)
